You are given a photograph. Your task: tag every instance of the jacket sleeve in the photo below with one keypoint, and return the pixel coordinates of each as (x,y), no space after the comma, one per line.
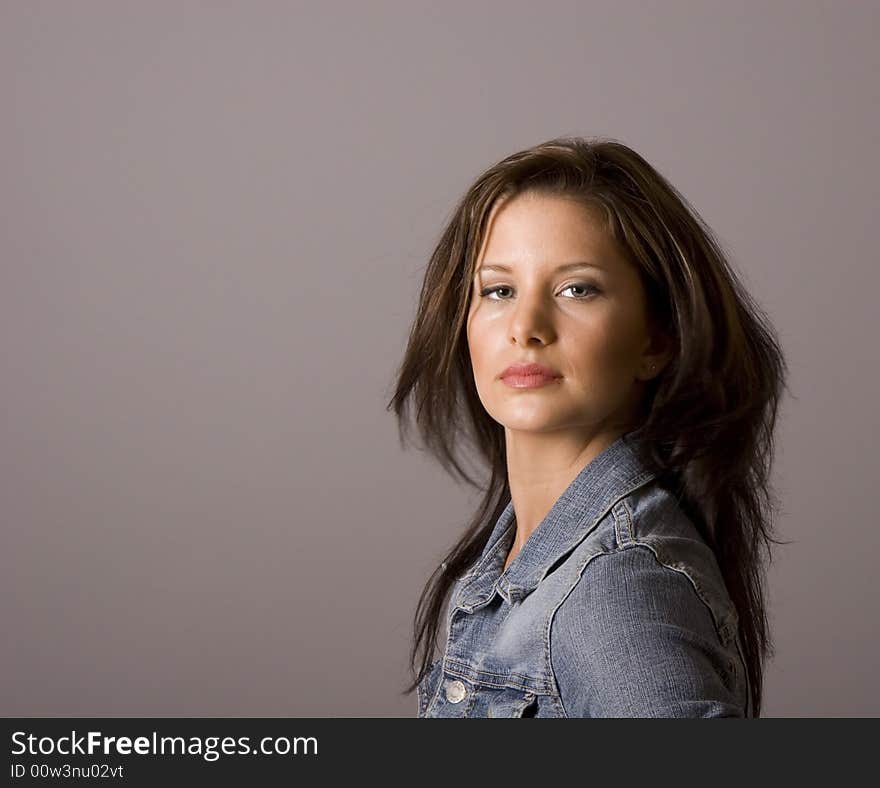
(634,639)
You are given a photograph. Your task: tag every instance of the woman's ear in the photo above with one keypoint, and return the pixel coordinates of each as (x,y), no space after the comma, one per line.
(659,351)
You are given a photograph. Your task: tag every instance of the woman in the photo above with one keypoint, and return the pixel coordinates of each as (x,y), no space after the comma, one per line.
(580,328)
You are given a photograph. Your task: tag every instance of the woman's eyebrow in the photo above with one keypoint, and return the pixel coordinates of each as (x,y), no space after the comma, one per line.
(565,267)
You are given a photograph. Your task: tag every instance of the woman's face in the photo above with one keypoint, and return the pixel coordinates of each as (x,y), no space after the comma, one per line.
(587,323)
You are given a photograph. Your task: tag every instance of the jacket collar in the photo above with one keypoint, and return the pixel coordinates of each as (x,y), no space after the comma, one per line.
(608,477)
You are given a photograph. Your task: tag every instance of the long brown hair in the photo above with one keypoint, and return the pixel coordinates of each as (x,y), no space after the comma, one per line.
(707,425)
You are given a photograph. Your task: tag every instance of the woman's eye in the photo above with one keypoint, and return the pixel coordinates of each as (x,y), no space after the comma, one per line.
(583,286)
(580,285)
(487,291)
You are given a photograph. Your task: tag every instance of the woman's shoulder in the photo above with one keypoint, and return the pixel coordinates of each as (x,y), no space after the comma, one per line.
(647,618)
(635,638)
(651,521)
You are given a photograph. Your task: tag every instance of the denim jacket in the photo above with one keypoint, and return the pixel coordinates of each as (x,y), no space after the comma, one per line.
(614,607)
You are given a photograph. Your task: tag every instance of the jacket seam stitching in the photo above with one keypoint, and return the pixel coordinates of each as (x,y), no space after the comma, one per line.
(552,616)
(681,568)
(623,523)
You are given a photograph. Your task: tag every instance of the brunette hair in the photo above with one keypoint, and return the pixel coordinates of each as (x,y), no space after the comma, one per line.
(708,419)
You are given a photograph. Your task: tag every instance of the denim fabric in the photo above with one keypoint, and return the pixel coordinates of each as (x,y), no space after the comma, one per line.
(614,607)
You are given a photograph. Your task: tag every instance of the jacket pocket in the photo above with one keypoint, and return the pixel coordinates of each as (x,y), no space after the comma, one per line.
(510,702)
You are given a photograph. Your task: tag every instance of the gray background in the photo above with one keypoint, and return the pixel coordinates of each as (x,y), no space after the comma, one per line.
(214,221)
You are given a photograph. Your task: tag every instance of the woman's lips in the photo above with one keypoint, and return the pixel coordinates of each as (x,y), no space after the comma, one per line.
(529,381)
(529,376)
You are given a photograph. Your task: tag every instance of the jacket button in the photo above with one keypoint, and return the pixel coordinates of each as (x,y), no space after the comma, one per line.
(455,691)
